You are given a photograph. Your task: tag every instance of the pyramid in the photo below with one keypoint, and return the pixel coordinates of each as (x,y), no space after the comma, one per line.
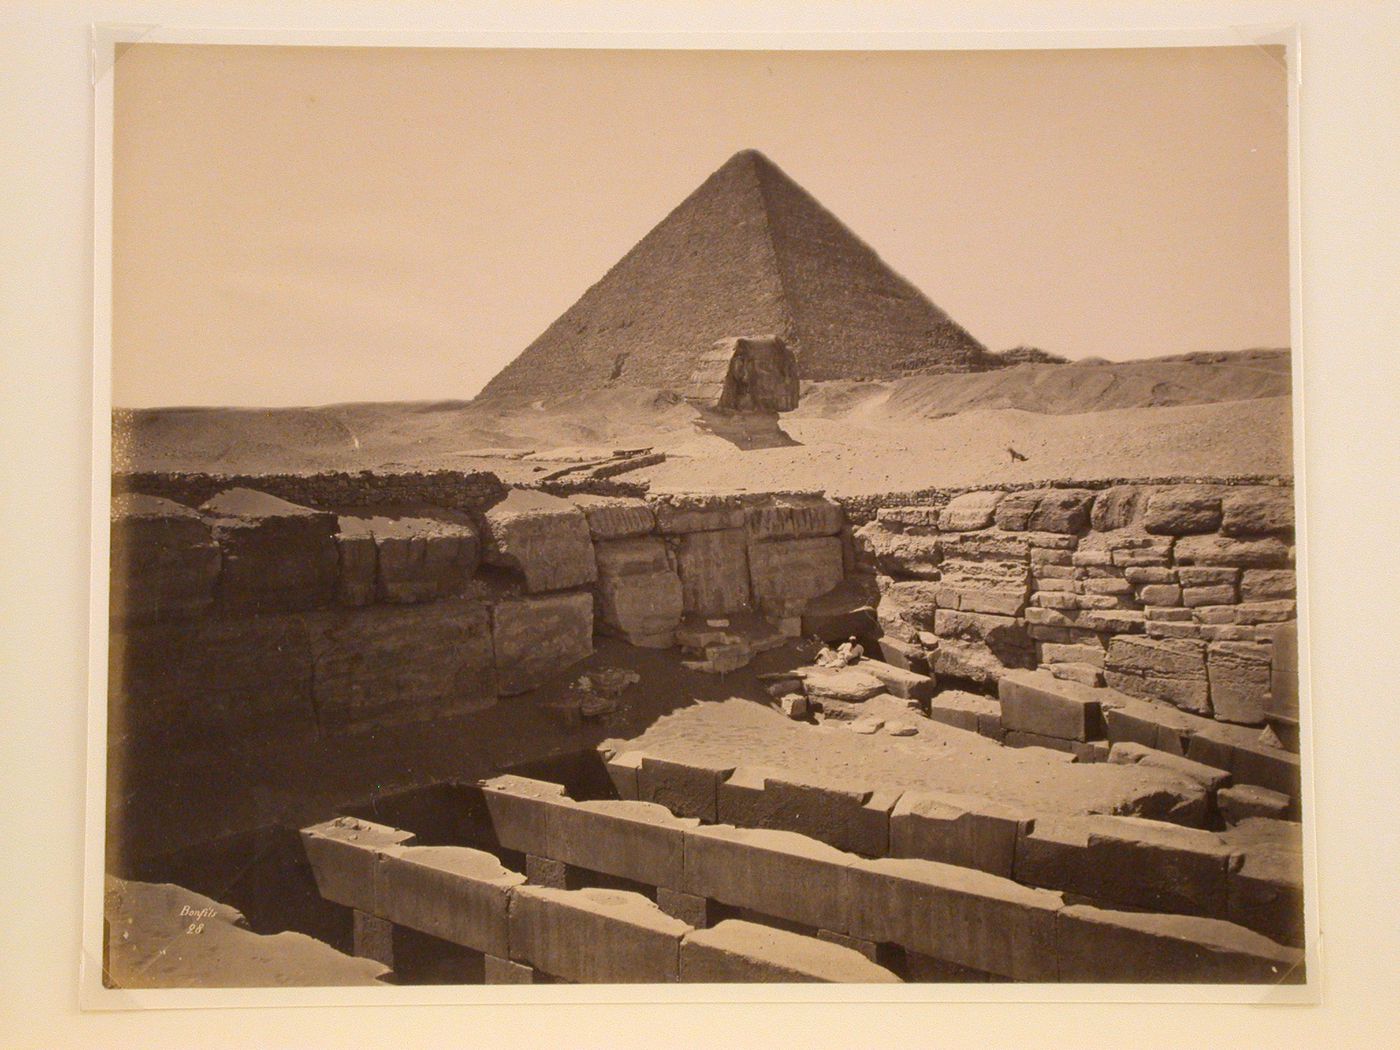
(749,252)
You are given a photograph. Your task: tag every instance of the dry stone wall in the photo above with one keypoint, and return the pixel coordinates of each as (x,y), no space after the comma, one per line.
(1174,593)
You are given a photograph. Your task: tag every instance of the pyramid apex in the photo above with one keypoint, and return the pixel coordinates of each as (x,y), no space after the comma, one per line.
(749,156)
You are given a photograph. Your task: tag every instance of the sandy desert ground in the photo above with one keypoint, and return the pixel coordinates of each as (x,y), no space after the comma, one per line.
(1215,414)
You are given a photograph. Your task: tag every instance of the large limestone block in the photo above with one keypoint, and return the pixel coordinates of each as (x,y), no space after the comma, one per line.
(276,555)
(1170,669)
(714,571)
(1004,636)
(456,894)
(794,518)
(734,952)
(1038,702)
(595,936)
(965,830)
(976,661)
(1160,867)
(1182,510)
(775,873)
(386,664)
(1240,676)
(1266,585)
(543,537)
(630,557)
(615,517)
(1249,761)
(414,559)
(1131,753)
(688,788)
(1258,510)
(1116,508)
(165,563)
(1266,892)
(1268,552)
(846,684)
(786,574)
(344,855)
(907,607)
(1045,510)
(684,513)
(644,608)
(956,914)
(913,554)
(853,820)
(971,510)
(1098,945)
(538,638)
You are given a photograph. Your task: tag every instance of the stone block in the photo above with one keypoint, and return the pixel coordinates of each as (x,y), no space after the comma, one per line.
(372,937)
(1249,762)
(453,893)
(503,971)
(1062,511)
(847,684)
(1182,510)
(1167,615)
(907,685)
(794,518)
(917,555)
(1161,669)
(845,610)
(539,638)
(1249,800)
(774,873)
(615,517)
(968,511)
(897,519)
(1265,612)
(519,809)
(687,788)
(595,936)
(1080,653)
(646,607)
(632,840)
(1001,601)
(967,711)
(714,571)
(1151,725)
(1257,510)
(623,770)
(276,555)
(418,559)
(1099,945)
(959,915)
(1266,892)
(1263,553)
(1218,594)
(965,830)
(1263,585)
(976,662)
(1160,594)
(544,871)
(1014,510)
(786,574)
(1239,681)
(1056,747)
(359,562)
(1159,867)
(735,951)
(165,563)
(685,514)
(1116,508)
(1037,702)
(393,664)
(344,857)
(633,556)
(1084,674)
(1143,575)
(544,538)
(690,909)
(907,656)
(1130,753)
(852,820)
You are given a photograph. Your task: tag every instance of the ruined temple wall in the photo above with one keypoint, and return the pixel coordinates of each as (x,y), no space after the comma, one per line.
(1169,592)
(252,614)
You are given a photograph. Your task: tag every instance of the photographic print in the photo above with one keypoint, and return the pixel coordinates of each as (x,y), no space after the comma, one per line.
(701,516)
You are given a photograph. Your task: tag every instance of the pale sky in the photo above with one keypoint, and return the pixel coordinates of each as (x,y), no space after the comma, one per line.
(298,226)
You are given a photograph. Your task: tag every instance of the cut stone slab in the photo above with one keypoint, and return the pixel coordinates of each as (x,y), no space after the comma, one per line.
(1098,945)
(164,560)
(615,517)
(956,829)
(971,510)
(786,574)
(276,555)
(794,518)
(970,711)
(453,893)
(344,855)
(687,789)
(1240,679)
(714,571)
(1181,510)
(1257,510)
(1249,800)
(1160,867)
(1038,702)
(1128,753)
(543,537)
(847,684)
(646,608)
(686,514)
(594,936)
(734,951)
(907,685)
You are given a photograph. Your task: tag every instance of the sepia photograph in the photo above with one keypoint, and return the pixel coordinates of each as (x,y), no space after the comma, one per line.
(640,516)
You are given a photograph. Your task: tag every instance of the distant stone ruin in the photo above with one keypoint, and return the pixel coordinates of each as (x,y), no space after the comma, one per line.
(746,375)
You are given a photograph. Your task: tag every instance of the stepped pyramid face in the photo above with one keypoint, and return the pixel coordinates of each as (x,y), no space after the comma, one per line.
(749,253)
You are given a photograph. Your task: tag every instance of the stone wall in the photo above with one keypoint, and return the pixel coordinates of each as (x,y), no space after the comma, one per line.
(1171,592)
(252,613)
